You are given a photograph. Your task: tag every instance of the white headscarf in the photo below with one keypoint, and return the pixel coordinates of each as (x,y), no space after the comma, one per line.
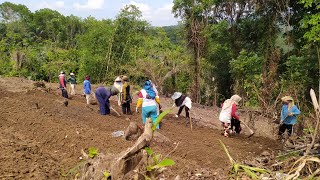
(234,99)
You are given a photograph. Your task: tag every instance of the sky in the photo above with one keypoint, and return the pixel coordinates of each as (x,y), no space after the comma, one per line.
(156,12)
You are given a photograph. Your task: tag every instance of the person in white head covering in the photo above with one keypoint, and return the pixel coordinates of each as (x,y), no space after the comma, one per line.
(181,101)
(118,83)
(228,111)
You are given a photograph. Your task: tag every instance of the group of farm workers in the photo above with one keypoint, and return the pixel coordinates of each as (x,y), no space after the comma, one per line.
(149,100)
(230,119)
(148,97)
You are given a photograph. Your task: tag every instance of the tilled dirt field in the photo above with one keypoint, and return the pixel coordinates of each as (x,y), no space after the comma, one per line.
(41,139)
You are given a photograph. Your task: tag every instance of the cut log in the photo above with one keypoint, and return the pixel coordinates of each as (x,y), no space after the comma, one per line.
(129,159)
(133,131)
(125,165)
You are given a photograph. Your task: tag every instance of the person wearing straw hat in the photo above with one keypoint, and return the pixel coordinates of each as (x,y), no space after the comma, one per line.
(181,101)
(289,112)
(228,111)
(72,80)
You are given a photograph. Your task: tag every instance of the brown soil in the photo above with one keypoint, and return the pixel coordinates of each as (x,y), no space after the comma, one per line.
(42,141)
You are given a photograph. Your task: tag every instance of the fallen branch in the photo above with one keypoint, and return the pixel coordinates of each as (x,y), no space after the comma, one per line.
(172,150)
(248,170)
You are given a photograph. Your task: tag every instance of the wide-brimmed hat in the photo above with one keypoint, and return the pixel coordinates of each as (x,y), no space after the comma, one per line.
(125,78)
(176,95)
(62,72)
(286,99)
(71,74)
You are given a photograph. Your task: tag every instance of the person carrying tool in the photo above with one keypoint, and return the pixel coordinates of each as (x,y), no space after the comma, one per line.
(63,84)
(103,95)
(228,111)
(235,124)
(181,101)
(126,98)
(289,113)
(72,80)
(149,100)
(87,88)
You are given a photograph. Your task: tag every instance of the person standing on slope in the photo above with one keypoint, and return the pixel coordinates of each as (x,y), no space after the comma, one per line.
(87,88)
(72,80)
(289,112)
(63,84)
(126,97)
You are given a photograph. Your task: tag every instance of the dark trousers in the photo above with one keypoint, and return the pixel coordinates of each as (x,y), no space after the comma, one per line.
(236,124)
(104,107)
(126,108)
(64,93)
(284,127)
(103,98)
(186,109)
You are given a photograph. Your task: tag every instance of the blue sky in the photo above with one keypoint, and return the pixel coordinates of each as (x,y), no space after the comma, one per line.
(156,12)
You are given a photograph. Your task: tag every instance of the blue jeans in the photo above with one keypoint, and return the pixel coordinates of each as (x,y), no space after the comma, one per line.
(149,112)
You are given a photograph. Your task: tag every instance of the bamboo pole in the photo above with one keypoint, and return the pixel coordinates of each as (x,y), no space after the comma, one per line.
(316,108)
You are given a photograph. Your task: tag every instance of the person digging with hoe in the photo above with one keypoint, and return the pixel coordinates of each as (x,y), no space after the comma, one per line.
(228,111)
(103,95)
(289,113)
(181,101)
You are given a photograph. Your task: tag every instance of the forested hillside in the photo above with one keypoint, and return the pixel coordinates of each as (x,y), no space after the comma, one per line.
(258,49)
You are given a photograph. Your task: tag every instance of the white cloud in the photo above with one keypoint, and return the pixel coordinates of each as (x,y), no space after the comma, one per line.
(51,5)
(164,16)
(144,8)
(91,4)
(157,16)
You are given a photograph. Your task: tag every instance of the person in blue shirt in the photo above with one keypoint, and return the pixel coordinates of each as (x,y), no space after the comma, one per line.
(87,88)
(289,114)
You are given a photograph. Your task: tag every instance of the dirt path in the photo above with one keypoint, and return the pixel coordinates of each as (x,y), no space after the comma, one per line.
(39,142)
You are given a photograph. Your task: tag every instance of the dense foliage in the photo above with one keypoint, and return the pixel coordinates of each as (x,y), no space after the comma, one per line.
(258,49)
